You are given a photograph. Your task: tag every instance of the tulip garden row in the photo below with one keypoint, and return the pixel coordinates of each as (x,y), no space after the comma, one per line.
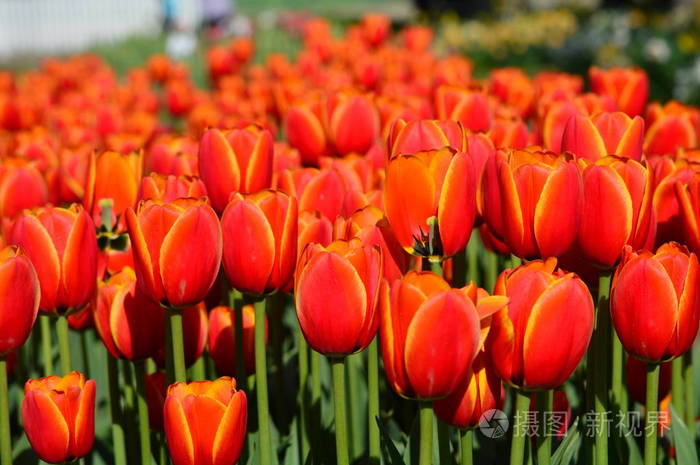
(362,255)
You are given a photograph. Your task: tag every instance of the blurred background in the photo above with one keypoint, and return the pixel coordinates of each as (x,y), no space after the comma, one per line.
(663,37)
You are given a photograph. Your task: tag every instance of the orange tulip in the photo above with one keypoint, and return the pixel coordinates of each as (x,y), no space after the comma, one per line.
(304,129)
(604,134)
(177,250)
(21,186)
(532,343)
(532,200)
(205,422)
(480,392)
(336,293)
(629,87)
(19,291)
(170,188)
(114,176)
(128,322)
(62,245)
(514,88)
(260,232)
(222,342)
(353,124)
(667,209)
(671,127)
(471,107)
(240,161)
(617,209)
(58,415)
(375,28)
(430,201)
(430,333)
(425,135)
(655,302)
(509,133)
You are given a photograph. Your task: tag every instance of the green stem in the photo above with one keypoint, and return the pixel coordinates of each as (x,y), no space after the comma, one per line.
(601,349)
(176,347)
(677,385)
(130,413)
(353,381)
(85,352)
(466,440)
(63,343)
(435,267)
(316,379)
(426,433)
(5,434)
(118,444)
(341,424)
(236,304)
(303,354)
(491,270)
(652,405)
(162,449)
(443,431)
(46,344)
(142,406)
(617,366)
(198,370)
(373,401)
(473,258)
(277,336)
(545,402)
(517,446)
(261,385)
(689,377)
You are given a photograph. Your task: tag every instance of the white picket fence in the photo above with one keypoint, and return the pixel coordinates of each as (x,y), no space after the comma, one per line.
(39,27)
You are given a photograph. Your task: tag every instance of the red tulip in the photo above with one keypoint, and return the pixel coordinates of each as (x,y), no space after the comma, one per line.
(177,250)
(260,233)
(168,188)
(629,87)
(21,186)
(514,88)
(62,245)
(240,161)
(128,322)
(336,293)
(58,415)
(222,339)
(430,201)
(655,302)
(205,422)
(617,209)
(156,390)
(604,134)
(671,127)
(532,343)
(430,333)
(304,129)
(425,135)
(667,208)
(471,107)
(353,124)
(531,200)
(19,291)
(114,176)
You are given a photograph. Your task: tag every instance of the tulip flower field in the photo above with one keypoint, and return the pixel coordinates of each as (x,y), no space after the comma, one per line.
(361,255)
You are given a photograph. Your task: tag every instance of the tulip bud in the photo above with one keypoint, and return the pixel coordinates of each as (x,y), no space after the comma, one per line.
(205,422)
(21,186)
(655,302)
(629,87)
(470,107)
(222,339)
(336,293)
(430,333)
(19,291)
(671,127)
(260,233)
(240,161)
(430,201)
(353,125)
(604,134)
(425,135)
(532,343)
(62,245)
(177,250)
(58,415)
(532,201)
(617,209)
(128,322)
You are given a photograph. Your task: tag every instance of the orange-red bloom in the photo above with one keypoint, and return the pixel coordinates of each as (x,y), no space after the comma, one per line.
(671,127)
(128,322)
(531,200)
(222,339)
(617,209)
(58,415)
(655,302)
(21,186)
(239,161)
(353,124)
(430,201)
(205,422)
(629,87)
(260,232)
(425,135)
(114,176)
(170,188)
(62,245)
(336,293)
(177,250)
(470,107)
(604,134)
(431,333)
(533,343)
(19,297)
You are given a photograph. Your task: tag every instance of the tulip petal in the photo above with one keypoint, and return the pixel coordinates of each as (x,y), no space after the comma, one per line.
(457,205)
(218,168)
(79,264)
(84,432)
(204,416)
(232,430)
(19,288)
(45,427)
(177,432)
(582,138)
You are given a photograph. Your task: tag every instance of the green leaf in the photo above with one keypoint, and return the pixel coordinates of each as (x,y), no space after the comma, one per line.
(389,451)
(682,440)
(568,447)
